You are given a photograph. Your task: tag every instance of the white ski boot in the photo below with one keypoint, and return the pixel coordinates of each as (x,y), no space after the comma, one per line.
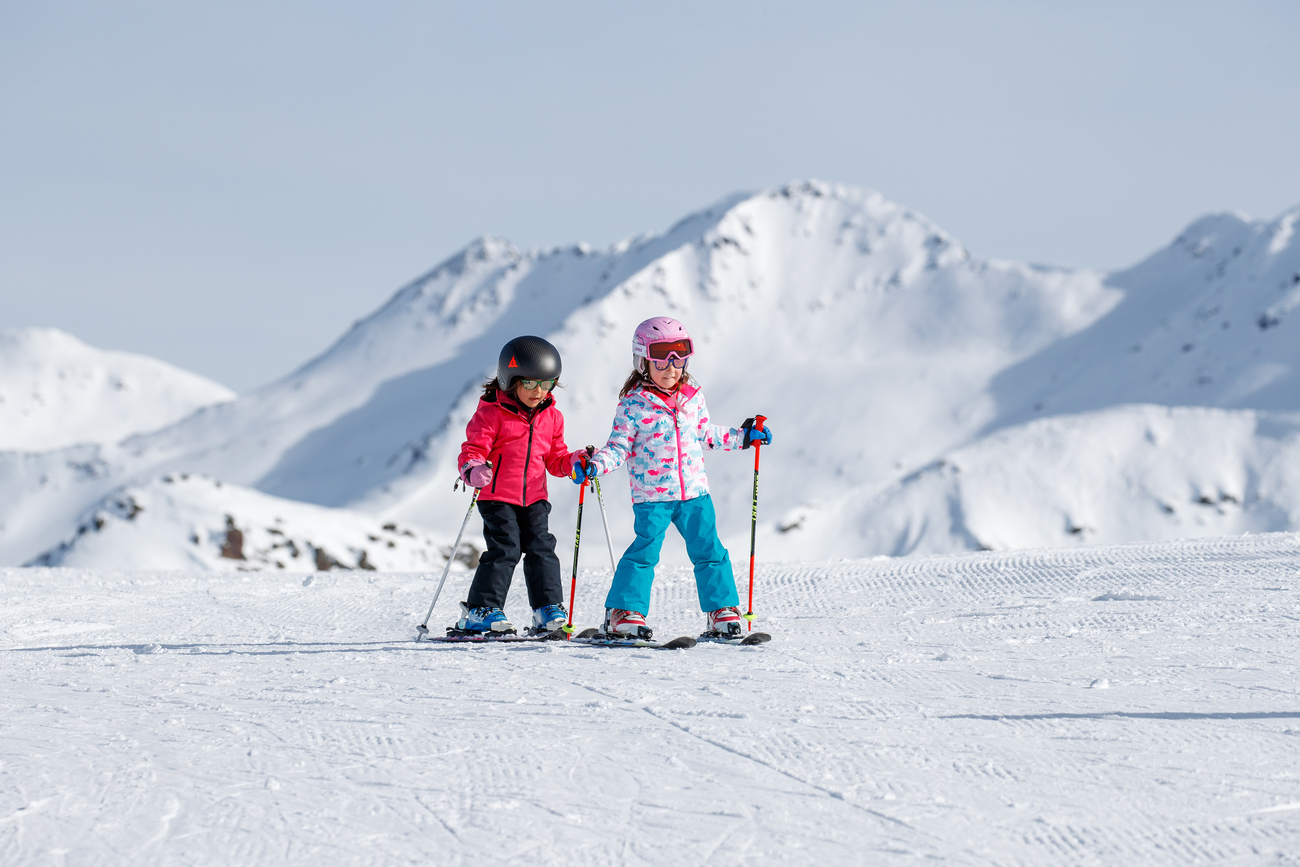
(724,623)
(626,624)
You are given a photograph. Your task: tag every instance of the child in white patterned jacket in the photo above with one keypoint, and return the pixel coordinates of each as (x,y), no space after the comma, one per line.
(661,430)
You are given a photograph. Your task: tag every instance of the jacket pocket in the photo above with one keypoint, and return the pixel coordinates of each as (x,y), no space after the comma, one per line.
(496,473)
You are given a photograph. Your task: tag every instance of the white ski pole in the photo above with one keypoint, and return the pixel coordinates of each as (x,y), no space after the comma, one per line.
(608,544)
(423,629)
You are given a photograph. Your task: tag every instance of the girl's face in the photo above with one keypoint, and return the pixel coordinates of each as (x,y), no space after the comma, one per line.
(666,378)
(531,397)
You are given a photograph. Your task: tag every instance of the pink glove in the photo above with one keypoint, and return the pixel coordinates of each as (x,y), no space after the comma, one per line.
(477,474)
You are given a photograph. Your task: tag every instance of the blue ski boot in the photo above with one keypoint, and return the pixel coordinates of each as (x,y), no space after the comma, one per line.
(549,618)
(483,620)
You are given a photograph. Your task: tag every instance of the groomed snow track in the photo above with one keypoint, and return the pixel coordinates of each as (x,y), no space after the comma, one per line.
(1123,705)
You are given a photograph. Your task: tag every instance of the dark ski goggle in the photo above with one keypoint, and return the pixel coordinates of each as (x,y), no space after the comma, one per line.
(678,363)
(680,348)
(530,384)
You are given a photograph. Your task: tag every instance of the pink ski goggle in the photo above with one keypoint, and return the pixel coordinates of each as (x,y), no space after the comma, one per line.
(663,351)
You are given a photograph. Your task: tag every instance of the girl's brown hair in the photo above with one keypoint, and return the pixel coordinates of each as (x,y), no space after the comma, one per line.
(638,378)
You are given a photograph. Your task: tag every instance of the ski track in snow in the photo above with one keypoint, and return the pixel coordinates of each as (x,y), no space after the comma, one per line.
(1118,705)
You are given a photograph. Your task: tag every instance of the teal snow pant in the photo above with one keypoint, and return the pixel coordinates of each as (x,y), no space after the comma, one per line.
(695,520)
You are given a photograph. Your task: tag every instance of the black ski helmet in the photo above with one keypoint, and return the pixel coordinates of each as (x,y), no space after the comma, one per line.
(527,358)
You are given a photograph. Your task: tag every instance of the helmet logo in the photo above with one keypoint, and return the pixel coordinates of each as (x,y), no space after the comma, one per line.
(513,363)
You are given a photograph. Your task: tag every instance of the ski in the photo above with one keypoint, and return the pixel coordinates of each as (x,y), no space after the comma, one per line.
(749,640)
(456,636)
(595,638)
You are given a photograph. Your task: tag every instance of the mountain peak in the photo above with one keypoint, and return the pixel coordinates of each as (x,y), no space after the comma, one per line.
(56,391)
(26,341)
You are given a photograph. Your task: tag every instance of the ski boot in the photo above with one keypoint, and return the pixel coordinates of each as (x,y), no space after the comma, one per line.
(478,620)
(626,624)
(548,618)
(723,623)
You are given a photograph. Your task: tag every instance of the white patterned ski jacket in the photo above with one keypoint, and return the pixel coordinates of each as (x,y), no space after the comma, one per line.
(663,448)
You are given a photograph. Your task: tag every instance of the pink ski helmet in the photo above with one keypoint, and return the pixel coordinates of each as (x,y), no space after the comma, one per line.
(660,338)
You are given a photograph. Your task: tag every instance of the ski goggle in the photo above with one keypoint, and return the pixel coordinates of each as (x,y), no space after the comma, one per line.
(676,362)
(680,348)
(530,384)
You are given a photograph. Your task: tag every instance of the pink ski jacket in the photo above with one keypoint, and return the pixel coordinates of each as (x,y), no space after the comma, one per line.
(523,448)
(662,446)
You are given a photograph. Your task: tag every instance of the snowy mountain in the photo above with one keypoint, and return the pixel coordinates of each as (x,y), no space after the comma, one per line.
(183,522)
(1113,475)
(885,355)
(1204,322)
(56,391)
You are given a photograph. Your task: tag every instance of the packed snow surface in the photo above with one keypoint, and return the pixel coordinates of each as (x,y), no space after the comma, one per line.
(1128,704)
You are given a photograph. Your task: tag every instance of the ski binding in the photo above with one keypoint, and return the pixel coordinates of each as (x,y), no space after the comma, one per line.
(596,638)
(461,636)
(748,640)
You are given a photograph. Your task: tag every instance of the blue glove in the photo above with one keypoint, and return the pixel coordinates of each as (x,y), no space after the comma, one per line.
(752,435)
(580,470)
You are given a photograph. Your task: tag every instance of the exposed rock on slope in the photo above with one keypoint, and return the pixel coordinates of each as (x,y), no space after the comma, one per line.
(184,522)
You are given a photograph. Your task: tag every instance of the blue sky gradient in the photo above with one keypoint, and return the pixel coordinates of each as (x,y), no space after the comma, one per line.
(228,186)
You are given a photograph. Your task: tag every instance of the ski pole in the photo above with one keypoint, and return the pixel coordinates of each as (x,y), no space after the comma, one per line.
(423,629)
(577,541)
(604,520)
(753,523)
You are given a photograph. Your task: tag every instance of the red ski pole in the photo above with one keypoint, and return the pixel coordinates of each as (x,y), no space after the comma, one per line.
(753,523)
(577,541)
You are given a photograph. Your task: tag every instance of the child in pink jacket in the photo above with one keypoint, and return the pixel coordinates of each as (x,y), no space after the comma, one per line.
(514,439)
(661,430)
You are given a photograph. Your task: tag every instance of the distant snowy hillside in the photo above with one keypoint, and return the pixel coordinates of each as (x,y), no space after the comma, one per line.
(1207,321)
(185,522)
(1115,475)
(883,352)
(56,391)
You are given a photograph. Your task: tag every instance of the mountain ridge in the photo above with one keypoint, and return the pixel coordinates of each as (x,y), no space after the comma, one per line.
(874,340)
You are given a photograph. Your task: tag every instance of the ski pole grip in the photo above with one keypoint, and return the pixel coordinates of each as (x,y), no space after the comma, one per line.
(758,421)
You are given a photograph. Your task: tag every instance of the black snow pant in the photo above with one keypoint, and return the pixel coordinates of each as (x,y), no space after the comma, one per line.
(511,531)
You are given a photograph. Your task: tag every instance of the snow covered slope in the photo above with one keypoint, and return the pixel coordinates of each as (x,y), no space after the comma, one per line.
(1205,322)
(866,333)
(1127,705)
(1115,475)
(56,391)
(194,522)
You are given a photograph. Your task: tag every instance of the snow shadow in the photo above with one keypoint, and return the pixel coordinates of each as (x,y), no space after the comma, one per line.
(1157,715)
(270,648)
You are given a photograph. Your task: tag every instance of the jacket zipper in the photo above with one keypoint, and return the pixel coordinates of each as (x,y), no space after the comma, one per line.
(677,436)
(528,457)
(681,476)
(496,475)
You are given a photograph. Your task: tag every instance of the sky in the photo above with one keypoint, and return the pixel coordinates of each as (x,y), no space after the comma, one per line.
(229,186)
